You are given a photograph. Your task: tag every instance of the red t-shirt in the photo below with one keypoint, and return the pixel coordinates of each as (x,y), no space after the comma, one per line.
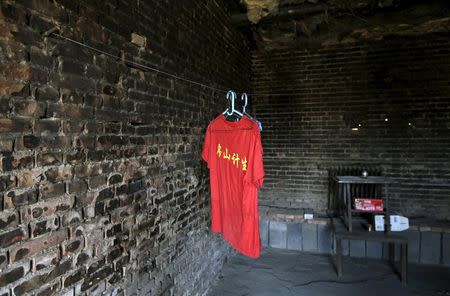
(234,155)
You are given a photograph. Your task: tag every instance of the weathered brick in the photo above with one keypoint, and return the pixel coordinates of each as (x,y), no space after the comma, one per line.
(52,190)
(73,278)
(76,231)
(95,277)
(122,262)
(47,208)
(47,93)
(45,260)
(105,194)
(6,145)
(36,245)
(119,214)
(122,189)
(113,127)
(79,112)
(99,209)
(6,161)
(40,57)
(114,254)
(15,71)
(8,219)
(11,276)
(55,111)
(47,126)
(74,126)
(77,186)
(96,155)
(87,199)
(114,179)
(71,217)
(9,238)
(7,182)
(39,24)
(31,141)
(71,66)
(50,158)
(76,157)
(20,198)
(139,40)
(28,108)
(37,281)
(3,260)
(114,230)
(42,227)
(82,259)
(70,97)
(73,246)
(51,290)
(56,142)
(10,88)
(59,174)
(5,106)
(97,181)
(29,178)
(23,161)
(112,204)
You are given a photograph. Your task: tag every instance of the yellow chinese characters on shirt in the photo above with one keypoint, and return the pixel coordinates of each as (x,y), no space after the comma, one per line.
(232,156)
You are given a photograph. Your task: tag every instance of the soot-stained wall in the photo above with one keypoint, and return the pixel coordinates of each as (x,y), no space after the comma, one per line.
(102,188)
(395,92)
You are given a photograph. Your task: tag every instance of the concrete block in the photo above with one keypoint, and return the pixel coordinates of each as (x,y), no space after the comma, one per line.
(446,249)
(294,236)
(430,247)
(413,245)
(374,249)
(357,248)
(325,238)
(277,234)
(309,232)
(264,232)
(345,247)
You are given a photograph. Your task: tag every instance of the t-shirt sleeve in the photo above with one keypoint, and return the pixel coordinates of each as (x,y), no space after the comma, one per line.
(207,146)
(255,173)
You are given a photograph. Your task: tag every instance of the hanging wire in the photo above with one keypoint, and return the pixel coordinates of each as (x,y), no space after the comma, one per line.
(139,64)
(149,68)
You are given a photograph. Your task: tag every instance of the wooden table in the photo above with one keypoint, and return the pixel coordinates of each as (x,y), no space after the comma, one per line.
(346,199)
(360,234)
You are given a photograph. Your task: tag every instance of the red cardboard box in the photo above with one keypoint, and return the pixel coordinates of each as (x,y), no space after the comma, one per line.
(369,204)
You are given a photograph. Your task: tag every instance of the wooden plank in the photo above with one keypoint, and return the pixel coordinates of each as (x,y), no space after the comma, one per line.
(359,233)
(364,180)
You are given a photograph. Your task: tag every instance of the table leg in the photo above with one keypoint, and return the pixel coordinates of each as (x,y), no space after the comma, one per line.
(391,252)
(339,257)
(387,217)
(349,206)
(404,263)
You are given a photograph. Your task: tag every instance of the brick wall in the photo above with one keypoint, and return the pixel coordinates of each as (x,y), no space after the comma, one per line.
(102,188)
(336,89)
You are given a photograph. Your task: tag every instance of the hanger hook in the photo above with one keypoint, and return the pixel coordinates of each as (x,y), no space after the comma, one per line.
(231,95)
(244,98)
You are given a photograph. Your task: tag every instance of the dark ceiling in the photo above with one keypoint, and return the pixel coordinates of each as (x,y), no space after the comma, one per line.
(275,23)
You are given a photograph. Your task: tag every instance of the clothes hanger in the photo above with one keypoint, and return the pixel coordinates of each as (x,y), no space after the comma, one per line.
(231,96)
(244,97)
